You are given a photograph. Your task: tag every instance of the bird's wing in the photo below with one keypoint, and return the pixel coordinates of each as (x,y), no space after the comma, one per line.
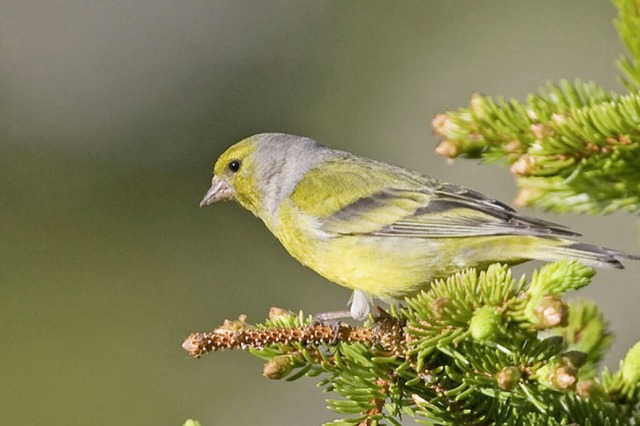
(453,211)
(402,203)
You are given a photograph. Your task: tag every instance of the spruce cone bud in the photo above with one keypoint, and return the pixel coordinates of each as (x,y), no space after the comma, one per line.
(508,378)
(278,367)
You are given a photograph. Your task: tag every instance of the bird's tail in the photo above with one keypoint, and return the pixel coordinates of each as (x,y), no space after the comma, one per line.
(589,254)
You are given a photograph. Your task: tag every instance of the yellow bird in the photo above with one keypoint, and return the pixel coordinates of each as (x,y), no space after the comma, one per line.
(384,231)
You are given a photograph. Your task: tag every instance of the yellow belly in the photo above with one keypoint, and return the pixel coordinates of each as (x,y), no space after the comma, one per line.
(389,267)
(385,267)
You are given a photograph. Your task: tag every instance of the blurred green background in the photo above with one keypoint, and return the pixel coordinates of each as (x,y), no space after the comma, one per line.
(111,115)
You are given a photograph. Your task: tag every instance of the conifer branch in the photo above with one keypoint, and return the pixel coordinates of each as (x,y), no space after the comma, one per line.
(471,350)
(627,23)
(573,147)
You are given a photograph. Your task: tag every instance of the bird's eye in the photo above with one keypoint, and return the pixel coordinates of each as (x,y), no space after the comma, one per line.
(234,165)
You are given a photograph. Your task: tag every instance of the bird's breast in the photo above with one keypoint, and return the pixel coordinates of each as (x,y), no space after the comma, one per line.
(385,267)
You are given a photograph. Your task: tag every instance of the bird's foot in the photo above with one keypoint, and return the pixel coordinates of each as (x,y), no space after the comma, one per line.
(331,319)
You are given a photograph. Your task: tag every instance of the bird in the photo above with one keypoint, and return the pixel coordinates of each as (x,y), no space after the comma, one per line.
(381,230)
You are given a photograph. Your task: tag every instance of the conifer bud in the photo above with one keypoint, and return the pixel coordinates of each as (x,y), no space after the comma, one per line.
(550,312)
(631,365)
(477,104)
(448,148)
(524,166)
(277,313)
(560,377)
(278,367)
(485,322)
(441,124)
(563,377)
(508,378)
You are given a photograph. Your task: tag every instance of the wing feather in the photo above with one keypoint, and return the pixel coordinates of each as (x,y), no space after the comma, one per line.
(435,211)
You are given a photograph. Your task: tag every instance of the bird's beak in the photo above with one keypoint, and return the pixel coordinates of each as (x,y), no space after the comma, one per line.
(219,191)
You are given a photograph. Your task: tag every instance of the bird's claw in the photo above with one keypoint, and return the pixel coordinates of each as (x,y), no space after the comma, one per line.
(332,320)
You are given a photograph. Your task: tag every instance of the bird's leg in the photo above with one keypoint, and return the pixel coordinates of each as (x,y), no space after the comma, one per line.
(360,305)
(359,310)
(329,317)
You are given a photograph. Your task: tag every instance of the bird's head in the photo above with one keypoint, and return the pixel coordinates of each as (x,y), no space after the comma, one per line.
(234,176)
(262,170)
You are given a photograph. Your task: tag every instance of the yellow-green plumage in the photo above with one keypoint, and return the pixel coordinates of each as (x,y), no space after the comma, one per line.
(379,229)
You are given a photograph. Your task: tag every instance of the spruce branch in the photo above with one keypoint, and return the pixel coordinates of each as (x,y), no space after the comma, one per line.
(572,147)
(627,23)
(471,350)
